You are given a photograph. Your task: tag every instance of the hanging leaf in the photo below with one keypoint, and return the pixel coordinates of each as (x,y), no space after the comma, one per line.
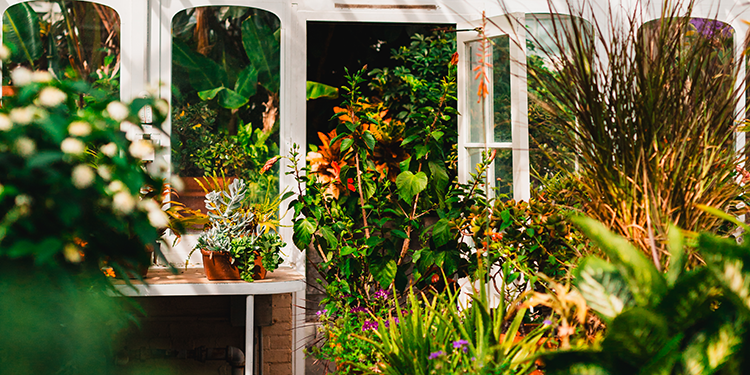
(231,99)
(383,270)
(303,230)
(261,45)
(317,90)
(247,82)
(205,74)
(441,232)
(210,94)
(22,34)
(409,184)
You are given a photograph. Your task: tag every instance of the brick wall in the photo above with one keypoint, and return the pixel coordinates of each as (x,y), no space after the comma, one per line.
(186,323)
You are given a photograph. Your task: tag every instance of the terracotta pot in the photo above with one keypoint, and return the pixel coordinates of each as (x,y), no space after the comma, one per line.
(192,195)
(218,266)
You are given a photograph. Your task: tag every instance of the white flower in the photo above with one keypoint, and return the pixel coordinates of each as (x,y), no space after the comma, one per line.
(116,186)
(79,128)
(132,131)
(51,97)
(123,202)
(23,115)
(177,183)
(25,146)
(141,149)
(72,146)
(104,172)
(71,253)
(117,111)
(158,219)
(4,52)
(20,76)
(41,76)
(162,106)
(110,149)
(148,205)
(83,176)
(23,200)
(5,123)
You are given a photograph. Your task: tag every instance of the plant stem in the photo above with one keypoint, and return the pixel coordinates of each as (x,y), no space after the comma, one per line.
(361,195)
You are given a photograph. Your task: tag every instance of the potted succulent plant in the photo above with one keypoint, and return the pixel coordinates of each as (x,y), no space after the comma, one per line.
(240,240)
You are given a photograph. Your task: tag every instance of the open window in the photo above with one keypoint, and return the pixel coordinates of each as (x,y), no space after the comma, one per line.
(492,103)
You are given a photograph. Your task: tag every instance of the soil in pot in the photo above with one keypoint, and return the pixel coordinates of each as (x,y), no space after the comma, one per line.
(218,266)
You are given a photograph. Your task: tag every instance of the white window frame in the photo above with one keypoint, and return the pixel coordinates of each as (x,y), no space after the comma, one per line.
(513,26)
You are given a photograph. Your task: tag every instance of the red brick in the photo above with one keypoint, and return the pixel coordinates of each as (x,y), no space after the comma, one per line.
(272,356)
(280,369)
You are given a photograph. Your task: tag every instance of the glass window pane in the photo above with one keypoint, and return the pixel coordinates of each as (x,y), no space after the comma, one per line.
(501,175)
(69,39)
(225,96)
(504,173)
(476,109)
(501,88)
(548,155)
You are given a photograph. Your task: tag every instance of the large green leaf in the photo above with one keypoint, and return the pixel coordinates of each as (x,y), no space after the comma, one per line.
(231,99)
(317,90)
(603,287)
(261,45)
(303,231)
(205,74)
(691,299)
(247,82)
(410,184)
(22,34)
(646,284)
(441,232)
(383,270)
(712,348)
(678,258)
(636,336)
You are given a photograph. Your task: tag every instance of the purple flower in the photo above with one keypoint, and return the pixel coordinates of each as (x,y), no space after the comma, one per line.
(382,293)
(461,344)
(369,325)
(437,354)
(547,322)
(388,322)
(358,309)
(321,312)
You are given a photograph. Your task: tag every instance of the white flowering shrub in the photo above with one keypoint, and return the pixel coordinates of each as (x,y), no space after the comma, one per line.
(71,184)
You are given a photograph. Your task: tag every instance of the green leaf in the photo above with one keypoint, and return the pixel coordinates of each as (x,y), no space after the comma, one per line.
(346,143)
(677,254)
(646,284)
(205,74)
(43,159)
(230,99)
(369,139)
(317,90)
(384,271)
(329,236)
(247,82)
(348,250)
(303,231)
(439,176)
(261,45)
(441,232)
(603,287)
(21,32)
(409,184)
(210,94)
(636,336)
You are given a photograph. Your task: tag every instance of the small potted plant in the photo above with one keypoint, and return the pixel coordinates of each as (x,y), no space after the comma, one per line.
(240,240)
